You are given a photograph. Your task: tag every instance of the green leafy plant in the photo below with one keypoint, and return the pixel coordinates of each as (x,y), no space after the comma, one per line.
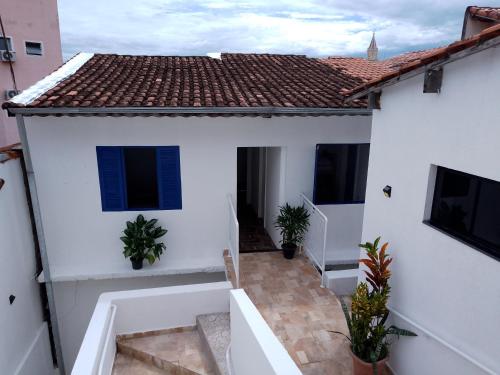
(140,240)
(292,223)
(369,337)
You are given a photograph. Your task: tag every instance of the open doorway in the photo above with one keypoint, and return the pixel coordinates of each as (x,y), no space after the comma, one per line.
(258,191)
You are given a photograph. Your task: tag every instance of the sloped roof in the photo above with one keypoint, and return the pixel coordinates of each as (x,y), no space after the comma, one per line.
(442,53)
(367,70)
(358,67)
(234,80)
(484,13)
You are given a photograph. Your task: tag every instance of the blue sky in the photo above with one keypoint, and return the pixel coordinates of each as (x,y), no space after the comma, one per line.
(311,27)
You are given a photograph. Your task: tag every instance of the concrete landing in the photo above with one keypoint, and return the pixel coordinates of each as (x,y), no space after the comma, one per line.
(177,351)
(125,365)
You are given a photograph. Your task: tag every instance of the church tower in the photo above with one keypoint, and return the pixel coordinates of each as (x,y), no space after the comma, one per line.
(372,50)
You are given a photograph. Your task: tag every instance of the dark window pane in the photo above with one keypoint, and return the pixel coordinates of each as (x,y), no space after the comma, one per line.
(487,218)
(468,207)
(33,48)
(3,45)
(454,207)
(140,173)
(341,171)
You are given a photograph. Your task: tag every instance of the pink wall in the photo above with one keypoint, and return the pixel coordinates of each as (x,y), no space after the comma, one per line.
(27,20)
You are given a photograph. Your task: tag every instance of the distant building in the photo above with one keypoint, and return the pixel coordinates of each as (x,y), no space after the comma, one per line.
(372,51)
(33,40)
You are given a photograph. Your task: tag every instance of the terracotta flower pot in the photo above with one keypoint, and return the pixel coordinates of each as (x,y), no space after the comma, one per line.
(360,367)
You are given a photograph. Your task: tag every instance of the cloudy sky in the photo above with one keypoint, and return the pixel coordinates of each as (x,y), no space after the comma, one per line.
(311,27)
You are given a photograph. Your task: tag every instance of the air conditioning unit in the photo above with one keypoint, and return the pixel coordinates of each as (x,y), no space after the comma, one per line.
(7,56)
(9,94)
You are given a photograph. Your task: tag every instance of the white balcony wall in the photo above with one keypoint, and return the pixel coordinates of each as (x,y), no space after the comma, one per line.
(439,283)
(254,347)
(76,300)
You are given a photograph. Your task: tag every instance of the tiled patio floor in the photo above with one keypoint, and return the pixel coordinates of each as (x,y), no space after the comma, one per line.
(300,312)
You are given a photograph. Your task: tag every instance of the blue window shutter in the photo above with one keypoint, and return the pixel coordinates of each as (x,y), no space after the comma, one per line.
(111,178)
(169,177)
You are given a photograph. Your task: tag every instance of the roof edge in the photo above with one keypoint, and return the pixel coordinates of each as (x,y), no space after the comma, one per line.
(45,84)
(27,111)
(456,51)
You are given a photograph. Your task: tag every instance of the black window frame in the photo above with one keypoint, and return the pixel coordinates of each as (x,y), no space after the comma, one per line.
(477,243)
(318,201)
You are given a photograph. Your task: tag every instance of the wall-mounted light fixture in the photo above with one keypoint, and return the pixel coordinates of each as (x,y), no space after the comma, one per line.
(2,183)
(387,191)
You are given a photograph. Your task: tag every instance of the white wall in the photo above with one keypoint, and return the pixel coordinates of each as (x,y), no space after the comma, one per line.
(275,189)
(24,344)
(447,287)
(82,238)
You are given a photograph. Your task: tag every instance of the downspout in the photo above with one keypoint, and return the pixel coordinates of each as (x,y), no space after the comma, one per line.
(41,241)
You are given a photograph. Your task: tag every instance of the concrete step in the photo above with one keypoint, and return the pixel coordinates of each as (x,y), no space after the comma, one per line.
(215,332)
(177,351)
(342,282)
(126,365)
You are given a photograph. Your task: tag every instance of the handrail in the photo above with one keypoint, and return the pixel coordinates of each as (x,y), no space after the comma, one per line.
(317,255)
(234,239)
(457,351)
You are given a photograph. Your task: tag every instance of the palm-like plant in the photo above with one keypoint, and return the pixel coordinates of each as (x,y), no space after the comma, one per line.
(369,337)
(292,223)
(140,240)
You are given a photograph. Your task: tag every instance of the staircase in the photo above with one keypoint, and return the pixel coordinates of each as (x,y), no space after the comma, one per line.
(196,350)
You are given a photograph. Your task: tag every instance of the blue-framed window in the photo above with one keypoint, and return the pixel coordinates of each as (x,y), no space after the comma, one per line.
(135,178)
(340,173)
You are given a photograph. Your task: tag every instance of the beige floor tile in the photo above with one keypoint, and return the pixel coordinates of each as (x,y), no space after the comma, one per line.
(289,296)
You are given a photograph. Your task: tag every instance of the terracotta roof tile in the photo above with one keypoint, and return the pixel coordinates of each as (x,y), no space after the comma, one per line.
(427,58)
(235,80)
(485,12)
(367,70)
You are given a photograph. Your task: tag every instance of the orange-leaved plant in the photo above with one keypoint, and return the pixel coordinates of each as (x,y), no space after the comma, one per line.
(378,273)
(368,335)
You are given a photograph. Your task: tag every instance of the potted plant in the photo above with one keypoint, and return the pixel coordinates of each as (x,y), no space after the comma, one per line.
(292,223)
(140,241)
(369,337)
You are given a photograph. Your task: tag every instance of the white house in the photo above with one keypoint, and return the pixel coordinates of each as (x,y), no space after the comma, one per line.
(435,142)
(108,137)
(191,141)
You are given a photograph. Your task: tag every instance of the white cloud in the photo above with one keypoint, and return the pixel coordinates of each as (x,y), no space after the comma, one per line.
(313,27)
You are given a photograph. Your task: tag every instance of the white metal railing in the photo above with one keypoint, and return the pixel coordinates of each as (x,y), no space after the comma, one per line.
(315,238)
(234,239)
